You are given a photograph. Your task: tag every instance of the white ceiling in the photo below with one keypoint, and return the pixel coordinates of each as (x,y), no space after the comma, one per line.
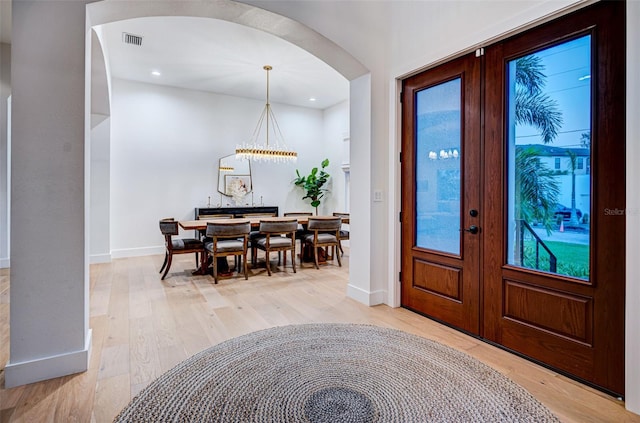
(222,57)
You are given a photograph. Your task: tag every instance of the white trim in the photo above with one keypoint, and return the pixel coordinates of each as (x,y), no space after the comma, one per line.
(136,252)
(5,263)
(394,204)
(366,297)
(17,374)
(99,258)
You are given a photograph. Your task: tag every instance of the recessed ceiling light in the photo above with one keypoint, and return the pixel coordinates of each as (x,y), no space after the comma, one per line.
(155,73)
(312,99)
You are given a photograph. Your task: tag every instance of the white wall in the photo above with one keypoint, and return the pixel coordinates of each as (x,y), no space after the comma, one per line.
(100,183)
(165,147)
(5,91)
(336,128)
(632,352)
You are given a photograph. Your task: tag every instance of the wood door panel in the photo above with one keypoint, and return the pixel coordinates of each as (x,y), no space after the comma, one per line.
(562,314)
(549,349)
(438,279)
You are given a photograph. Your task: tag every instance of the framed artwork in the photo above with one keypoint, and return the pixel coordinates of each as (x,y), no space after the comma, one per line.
(237,182)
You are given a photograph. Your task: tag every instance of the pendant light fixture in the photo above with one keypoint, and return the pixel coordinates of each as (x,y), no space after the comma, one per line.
(277,150)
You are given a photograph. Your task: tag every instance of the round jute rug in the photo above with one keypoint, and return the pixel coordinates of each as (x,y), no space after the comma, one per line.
(333,373)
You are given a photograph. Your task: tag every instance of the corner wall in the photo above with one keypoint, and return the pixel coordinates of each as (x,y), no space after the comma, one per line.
(632,352)
(5,177)
(49,329)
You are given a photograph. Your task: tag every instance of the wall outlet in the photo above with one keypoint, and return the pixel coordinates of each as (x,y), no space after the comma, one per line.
(377,195)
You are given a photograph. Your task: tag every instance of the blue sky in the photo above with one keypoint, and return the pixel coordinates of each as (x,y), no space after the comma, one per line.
(568,71)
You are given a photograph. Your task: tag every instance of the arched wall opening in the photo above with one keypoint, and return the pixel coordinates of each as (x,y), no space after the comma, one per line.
(104,12)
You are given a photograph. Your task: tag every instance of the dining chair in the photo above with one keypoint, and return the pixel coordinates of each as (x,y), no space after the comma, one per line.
(169,228)
(227,239)
(280,236)
(255,235)
(344,234)
(301,229)
(211,217)
(323,232)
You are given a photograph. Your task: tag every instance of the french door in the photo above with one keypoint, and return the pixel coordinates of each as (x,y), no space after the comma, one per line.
(441,193)
(513,194)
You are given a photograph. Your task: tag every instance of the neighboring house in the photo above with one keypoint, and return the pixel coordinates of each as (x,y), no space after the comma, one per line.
(557,158)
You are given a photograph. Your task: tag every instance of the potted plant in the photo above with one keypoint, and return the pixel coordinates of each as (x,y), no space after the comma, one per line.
(314,184)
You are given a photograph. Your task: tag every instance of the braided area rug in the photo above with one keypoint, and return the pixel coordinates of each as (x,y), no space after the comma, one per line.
(333,373)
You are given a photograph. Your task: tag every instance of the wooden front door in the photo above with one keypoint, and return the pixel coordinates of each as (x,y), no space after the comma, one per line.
(441,193)
(544,274)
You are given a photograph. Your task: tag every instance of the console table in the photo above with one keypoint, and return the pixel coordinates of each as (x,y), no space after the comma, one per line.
(235,211)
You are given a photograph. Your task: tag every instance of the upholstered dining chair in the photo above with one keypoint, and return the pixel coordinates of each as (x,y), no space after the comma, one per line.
(278,235)
(323,231)
(211,217)
(344,234)
(301,230)
(169,228)
(227,239)
(255,235)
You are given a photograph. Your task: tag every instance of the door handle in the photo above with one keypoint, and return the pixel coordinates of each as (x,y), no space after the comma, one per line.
(473,229)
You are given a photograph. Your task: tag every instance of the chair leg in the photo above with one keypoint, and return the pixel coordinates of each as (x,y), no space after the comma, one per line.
(168,266)
(197,260)
(341,250)
(214,263)
(339,261)
(267,263)
(293,259)
(315,256)
(166,255)
(245,265)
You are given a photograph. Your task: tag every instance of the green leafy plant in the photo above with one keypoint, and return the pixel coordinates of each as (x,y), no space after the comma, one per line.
(314,184)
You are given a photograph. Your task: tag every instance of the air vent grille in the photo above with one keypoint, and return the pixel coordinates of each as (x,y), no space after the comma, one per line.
(127,38)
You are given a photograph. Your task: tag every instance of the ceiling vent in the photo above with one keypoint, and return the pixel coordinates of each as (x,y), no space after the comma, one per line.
(127,38)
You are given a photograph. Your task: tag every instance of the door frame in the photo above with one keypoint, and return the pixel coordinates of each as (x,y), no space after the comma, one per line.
(598,186)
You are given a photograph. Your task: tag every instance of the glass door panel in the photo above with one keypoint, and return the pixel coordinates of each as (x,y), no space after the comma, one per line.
(438,184)
(549,157)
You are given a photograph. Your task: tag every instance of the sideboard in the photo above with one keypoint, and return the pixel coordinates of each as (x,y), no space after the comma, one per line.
(235,211)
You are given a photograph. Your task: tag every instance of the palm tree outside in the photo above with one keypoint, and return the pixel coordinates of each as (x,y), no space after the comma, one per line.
(550,100)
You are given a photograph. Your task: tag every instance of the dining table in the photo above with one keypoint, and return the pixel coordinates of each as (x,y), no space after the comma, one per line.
(200,225)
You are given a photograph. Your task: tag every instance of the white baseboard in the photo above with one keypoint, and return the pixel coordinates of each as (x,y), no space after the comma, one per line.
(5,263)
(17,374)
(366,297)
(137,252)
(99,258)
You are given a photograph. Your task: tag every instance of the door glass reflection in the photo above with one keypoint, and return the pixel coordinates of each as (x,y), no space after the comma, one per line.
(549,162)
(438,157)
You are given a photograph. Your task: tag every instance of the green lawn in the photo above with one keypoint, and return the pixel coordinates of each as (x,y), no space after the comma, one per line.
(572,259)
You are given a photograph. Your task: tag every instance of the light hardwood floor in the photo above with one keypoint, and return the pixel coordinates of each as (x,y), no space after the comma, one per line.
(143,326)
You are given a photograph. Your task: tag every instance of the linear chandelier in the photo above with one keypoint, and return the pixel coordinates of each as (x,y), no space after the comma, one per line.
(275,152)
